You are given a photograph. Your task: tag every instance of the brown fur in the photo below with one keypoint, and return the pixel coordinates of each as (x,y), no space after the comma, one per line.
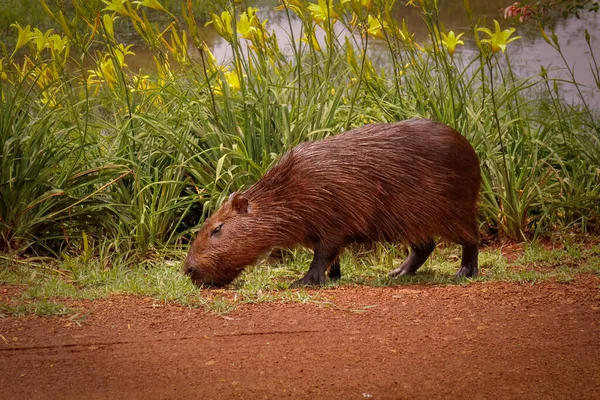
(407,182)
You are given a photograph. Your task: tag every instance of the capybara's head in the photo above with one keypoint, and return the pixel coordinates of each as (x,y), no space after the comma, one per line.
(224,245)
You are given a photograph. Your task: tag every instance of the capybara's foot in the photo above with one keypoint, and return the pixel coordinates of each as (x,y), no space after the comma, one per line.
(309,280)
(468,267)
(400,271)
(417,257)
(466,271)
(335,272)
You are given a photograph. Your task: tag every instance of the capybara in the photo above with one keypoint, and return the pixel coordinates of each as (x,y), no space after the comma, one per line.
(407,182)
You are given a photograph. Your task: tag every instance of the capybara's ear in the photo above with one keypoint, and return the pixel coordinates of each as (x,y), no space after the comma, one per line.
(239,203)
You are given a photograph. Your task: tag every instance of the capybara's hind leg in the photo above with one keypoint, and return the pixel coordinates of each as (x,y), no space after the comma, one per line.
(417,257)
(316,273)
(468,265)
(335,273)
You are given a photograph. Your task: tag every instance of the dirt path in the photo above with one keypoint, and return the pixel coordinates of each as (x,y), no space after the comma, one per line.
(485,340)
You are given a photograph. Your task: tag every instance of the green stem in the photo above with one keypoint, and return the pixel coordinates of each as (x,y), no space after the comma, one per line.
(359,82)
(507,182)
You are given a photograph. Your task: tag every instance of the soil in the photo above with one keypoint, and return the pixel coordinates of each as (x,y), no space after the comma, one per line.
(478,341)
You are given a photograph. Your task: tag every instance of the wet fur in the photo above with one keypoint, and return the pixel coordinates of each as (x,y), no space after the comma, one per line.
(408,182)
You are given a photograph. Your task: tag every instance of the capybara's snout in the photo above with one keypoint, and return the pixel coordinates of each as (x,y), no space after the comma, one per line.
(200,279)
(194,273)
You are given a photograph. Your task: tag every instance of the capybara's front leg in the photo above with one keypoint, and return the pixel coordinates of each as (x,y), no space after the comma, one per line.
(316,273)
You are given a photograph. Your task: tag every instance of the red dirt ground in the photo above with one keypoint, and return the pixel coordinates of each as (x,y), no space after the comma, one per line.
(479,341)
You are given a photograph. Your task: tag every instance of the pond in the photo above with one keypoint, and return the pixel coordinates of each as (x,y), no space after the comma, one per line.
(527,54)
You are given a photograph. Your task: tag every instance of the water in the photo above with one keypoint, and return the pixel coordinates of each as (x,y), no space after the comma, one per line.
(527,54)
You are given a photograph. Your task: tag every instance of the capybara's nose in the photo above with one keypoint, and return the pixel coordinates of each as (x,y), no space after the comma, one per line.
(194,274)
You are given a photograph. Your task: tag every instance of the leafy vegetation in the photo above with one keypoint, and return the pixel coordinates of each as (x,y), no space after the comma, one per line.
(105,168)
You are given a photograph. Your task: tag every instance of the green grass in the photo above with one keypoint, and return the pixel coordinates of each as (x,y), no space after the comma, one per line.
(76,279)
(105,172)
(38,307)
(79,280)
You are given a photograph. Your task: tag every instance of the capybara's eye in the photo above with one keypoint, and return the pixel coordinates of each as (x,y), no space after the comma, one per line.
(216,229)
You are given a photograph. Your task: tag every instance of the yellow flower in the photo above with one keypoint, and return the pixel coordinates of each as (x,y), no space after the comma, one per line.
(244,26)
(142,83)
(117,6)
(45,78)
(59,45)
(48,98)
(108,24)
(499,39)
(121,51)
(40,40)
(322,11)
(222,24)
(375,29)
(404,33)
(296,6)
(165,71)
(178,45)
(312,40)
(2,73)
(154,4)
(249,27)
(25,35)
(105,72)
(211,60)
(351,55)
(451,40)
(232,79)
(359,7)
